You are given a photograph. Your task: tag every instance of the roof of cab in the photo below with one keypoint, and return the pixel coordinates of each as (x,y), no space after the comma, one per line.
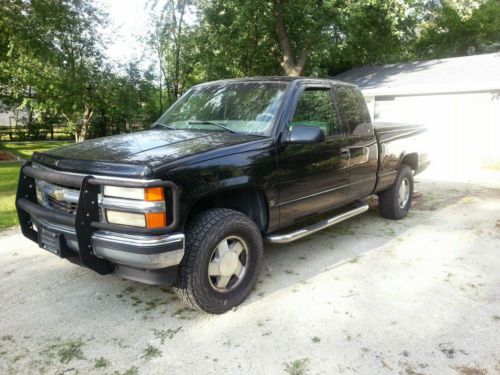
(284,79)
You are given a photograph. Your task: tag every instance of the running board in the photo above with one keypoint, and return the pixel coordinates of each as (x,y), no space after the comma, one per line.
(301,233)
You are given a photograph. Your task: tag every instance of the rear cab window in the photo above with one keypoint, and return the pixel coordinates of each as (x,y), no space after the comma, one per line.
(354,109)
(315,107)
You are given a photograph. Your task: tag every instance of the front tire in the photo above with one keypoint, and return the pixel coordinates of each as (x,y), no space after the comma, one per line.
(222,261)
(395,202)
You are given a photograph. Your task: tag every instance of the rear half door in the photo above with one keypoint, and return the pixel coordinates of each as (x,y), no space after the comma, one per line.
(362,144)
(313,178)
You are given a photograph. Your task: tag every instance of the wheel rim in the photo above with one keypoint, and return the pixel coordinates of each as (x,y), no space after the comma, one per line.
(404,192)
(228,264)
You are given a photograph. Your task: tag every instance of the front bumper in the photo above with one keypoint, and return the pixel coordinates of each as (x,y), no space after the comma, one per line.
(138,251)
(144,255)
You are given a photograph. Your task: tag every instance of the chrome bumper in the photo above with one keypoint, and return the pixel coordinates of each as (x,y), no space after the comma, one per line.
(137,251)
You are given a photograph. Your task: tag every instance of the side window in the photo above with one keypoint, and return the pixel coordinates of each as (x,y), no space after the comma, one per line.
(315,108)
(355,110)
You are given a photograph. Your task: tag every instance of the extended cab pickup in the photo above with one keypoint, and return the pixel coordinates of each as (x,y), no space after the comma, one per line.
(230,164)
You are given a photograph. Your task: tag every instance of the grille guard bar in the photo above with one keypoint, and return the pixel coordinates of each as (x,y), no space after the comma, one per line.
(86,220)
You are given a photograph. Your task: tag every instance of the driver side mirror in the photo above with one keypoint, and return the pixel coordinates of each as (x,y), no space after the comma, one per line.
(302,134)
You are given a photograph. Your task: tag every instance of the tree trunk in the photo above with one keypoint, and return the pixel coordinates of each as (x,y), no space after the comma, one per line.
(291,66)
(87,116)
(161,86)
(178,48)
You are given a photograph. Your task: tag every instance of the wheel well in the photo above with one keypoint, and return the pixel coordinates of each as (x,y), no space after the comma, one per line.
(411,160)
(249,201)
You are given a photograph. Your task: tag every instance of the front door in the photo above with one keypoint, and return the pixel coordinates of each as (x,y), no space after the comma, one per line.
(313,178)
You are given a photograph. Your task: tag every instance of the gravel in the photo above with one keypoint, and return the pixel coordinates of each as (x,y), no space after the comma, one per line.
(369,296)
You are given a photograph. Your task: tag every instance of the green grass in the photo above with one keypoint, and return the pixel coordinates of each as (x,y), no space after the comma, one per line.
(493,165)
(9,173)
(25,149)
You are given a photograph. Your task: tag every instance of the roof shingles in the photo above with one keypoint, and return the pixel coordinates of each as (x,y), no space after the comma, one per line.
(457,74)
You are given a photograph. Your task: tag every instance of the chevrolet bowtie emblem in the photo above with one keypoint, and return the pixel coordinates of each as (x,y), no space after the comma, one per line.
(58,195)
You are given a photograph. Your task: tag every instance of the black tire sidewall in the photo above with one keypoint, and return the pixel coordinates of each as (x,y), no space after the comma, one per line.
(405,172)
(206,296)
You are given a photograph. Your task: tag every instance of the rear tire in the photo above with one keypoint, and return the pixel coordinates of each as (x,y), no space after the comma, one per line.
(395,202)
(222,261)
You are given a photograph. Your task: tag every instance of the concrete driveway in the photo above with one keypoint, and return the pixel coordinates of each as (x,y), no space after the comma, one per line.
(370,296)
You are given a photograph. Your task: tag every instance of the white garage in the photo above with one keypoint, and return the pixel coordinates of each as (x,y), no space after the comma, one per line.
(457,98)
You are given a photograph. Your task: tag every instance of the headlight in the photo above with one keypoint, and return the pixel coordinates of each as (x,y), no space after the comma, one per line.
(39,195)
(125,218)
(140,207)
(121,192)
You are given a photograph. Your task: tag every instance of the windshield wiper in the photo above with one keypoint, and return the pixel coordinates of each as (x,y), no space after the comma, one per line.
(160,125)
(204,122)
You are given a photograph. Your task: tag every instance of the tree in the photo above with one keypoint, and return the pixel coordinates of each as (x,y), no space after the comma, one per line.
(310,37)
(458,29)
(235,38)
(259,37)
(52,48)
(126,102)
(306,17)
(372,32)
(169,38)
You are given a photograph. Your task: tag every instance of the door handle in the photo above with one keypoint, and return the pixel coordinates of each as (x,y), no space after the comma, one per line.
(345,153)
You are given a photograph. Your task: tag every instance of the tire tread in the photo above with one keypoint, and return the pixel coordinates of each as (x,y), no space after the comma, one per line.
(388,204)
(197,231)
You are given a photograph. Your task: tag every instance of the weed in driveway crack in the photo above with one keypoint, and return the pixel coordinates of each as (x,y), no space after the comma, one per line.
(183,313)
(66,351)
(297,367)
(7,338)
(101,362)
(354,260)
(153,304)
(70,350)
(449,351)
(151,352)
(131,371)
(129,290)
(169,333)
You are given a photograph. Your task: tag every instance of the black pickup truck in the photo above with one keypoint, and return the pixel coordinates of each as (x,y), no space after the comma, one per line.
(232,163)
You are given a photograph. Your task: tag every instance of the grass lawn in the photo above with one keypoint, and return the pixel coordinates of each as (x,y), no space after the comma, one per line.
(25,149)
(9,173)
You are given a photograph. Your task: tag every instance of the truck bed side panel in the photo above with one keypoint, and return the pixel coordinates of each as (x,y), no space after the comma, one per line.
(395,142)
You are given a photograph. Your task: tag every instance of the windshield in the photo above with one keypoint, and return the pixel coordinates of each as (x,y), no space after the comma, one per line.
(241,107)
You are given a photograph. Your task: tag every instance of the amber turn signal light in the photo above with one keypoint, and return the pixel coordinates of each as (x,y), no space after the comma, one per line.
(156,219)
(153,194)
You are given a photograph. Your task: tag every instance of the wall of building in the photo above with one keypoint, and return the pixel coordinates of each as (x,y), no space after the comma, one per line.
(11,116)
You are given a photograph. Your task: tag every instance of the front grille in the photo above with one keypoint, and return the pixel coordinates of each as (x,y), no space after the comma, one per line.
(61,198)
(65,206)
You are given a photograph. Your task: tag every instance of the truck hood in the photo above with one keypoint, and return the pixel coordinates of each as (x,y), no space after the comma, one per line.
(150,148)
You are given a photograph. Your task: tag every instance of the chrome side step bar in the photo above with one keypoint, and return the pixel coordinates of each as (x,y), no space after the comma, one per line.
(316,227)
